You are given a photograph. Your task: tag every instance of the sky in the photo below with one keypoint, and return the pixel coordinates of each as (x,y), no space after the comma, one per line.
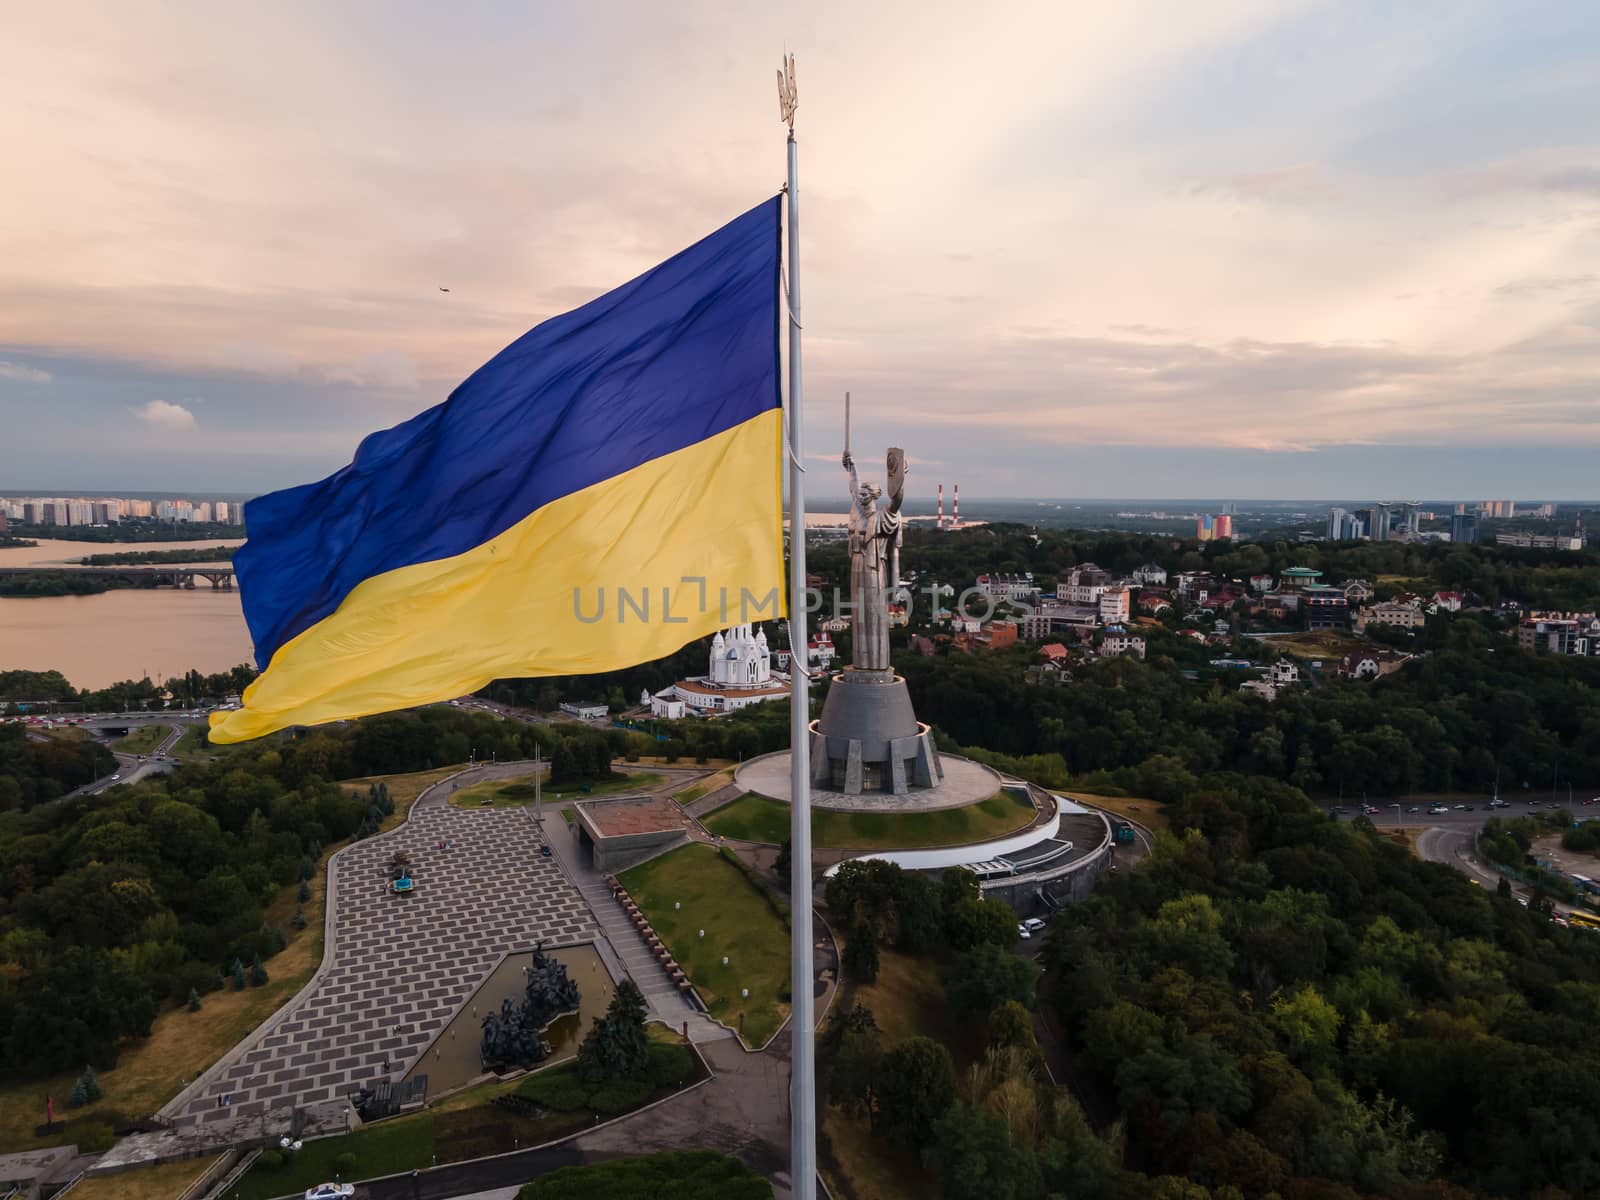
(1258,248)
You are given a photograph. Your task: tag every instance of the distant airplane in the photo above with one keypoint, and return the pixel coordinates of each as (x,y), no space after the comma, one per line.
(444,289)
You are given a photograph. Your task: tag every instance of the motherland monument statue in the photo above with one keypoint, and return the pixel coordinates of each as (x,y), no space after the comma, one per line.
(874,561)
(868,739)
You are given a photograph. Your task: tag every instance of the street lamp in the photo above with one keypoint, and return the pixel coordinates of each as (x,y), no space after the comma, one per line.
(1399,821)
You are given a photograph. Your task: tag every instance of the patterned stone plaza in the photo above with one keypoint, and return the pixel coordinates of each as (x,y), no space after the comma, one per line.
(399,966)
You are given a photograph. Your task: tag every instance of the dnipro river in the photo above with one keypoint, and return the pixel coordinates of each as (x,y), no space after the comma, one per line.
(125,633)
(128,633)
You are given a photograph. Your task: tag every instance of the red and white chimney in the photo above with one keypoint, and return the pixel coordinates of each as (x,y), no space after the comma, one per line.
(955,514)
(939,521)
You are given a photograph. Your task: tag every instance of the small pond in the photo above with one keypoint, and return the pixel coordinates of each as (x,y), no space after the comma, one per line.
(452,1061)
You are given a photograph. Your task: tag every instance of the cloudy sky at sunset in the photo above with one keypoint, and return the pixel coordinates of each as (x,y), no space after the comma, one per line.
(1234,248)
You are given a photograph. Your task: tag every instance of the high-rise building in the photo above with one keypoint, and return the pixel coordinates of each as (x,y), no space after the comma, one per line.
(1409,517)
(1379,527)
(1203,527)
(1336,524)
(1502,510)
(1464,528)
(1222,526)
(220,509)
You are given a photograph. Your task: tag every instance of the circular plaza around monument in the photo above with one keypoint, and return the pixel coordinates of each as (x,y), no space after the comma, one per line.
(965,782)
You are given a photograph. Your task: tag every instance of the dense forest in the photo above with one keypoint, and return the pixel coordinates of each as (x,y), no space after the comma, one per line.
(130,529)
(1458,719)
(1273,1005)
(115,904)
(1274,995)
(51,583)
(135,557)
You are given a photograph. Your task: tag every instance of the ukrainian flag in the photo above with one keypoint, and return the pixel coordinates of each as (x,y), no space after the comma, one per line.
(603,491)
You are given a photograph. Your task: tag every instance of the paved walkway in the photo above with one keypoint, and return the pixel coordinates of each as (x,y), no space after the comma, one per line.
(397,968)
(624,947)
(965,782)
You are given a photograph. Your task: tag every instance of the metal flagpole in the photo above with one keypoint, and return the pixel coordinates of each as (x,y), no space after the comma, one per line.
(802,1079)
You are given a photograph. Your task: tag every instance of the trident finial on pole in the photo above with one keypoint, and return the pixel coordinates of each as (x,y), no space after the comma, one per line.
(788,97)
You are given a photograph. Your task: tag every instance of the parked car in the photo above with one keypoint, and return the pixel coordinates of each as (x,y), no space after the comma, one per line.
(1033,924)
(1413,809)
(331,1191)
(1022,930)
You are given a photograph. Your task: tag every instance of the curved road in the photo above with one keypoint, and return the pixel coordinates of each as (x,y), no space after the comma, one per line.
(1449,837)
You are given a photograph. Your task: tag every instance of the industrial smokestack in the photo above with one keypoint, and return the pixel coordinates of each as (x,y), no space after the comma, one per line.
(939,520)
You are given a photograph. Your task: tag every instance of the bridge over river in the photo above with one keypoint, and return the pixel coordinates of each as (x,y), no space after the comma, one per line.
(219,577)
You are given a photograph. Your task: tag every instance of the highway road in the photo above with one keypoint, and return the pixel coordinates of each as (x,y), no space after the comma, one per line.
(1449,837)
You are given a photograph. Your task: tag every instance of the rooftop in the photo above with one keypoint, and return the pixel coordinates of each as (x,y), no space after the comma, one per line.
(643,814)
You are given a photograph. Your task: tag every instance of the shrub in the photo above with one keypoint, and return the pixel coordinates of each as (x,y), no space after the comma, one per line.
(94,1137)
(619,1096)
(560,1090)
(86,1090)
(670,1065)
(703,1174)
(344,1164)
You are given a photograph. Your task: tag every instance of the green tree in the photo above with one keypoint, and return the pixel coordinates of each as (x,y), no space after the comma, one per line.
(980,979)
(193,1003)
(976,1157)
(258,973)
(617,1046)
(859,960)
(916,1083)
(236,975)
(86,1089)
(974,922)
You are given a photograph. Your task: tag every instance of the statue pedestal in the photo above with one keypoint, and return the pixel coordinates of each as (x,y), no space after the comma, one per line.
(868,739)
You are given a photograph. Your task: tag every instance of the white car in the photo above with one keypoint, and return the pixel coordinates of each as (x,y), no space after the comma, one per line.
(114,778)
(331,1191)
(1033,924)
(1022,931)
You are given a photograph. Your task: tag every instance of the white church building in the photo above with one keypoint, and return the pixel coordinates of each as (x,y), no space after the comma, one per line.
(740,674)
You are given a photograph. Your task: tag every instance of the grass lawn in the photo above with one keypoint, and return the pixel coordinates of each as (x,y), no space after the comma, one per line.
(518,790)
(190,743)
(907,1001)
(181,1044)
(738,922)
(403,789)
(464,1126)
(757,819)
(1322,643)
(142,740)
(704,787)
(1406,836)
(67,733)
(147,1183)
(1149,813)
(383,1149)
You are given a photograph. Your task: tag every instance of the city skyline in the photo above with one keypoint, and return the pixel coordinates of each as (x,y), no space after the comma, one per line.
(1256,249)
